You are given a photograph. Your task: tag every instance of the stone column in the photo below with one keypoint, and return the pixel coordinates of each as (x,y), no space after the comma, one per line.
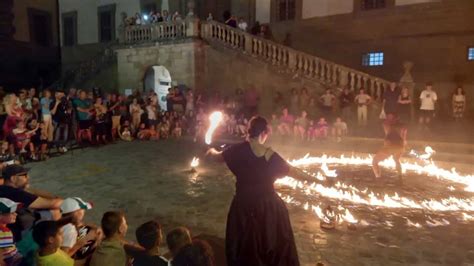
(407,81)
(192,27)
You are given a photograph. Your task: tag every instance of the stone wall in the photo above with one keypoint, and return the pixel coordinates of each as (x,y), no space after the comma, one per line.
(227,70)
(434,36)
(179,59)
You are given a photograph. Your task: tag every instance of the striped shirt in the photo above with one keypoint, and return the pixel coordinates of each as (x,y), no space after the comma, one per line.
(7,245)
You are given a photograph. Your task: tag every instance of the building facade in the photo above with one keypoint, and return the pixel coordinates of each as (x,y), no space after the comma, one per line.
(29,30)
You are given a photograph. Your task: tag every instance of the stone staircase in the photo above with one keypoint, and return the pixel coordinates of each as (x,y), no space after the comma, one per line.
(289,60)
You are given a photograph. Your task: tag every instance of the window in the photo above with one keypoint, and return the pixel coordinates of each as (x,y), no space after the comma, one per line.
(286,9)
(69,28)
(41,31)
(372,59)
(372,4)
(470,53)
(106,23)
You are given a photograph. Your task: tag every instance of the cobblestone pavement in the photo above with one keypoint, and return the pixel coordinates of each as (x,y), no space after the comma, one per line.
(151,180)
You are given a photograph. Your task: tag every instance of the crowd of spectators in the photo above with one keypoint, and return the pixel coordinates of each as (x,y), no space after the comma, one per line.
(38,228)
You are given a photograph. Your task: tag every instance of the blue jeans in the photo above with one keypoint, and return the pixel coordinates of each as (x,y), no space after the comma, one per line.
(61,132)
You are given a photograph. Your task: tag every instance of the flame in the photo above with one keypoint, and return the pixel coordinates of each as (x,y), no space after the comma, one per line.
(215,119)
(348,217)
(410,223)
(195,162)
(430,168)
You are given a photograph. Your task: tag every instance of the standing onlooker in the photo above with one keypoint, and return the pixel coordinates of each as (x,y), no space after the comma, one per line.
(189,102)
(459,103)
(151,114)
(46,113)
(428,98)
(229,19)
(294,101)
(100,121)
(363,100)
(345,103)
(339,129)
(210,17)
(327,103)
(251,101)
(83,108)
(404,105)
(304,99)
(242,24)
(61,111)
(390,99)
(136,113)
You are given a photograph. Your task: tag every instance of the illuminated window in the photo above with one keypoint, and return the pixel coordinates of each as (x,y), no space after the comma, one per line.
(372,4)
(372,59)
(470,53)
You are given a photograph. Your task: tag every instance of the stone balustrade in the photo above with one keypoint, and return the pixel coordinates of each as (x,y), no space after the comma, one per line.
(292,61)
(156,32)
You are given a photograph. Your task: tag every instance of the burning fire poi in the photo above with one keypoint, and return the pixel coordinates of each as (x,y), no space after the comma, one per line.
(215,118)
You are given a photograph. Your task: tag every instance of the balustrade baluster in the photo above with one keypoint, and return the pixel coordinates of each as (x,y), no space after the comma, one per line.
(335,71)
(364,81)
(352,75)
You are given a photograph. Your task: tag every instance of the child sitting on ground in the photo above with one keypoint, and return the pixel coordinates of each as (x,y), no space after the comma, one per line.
(79,240)
(242,126)
(231,125)
(339,129)
(143,132)
(8,249)
(164,128)
(321,131)
(177,129)
(23,138)
(124,131)
(301,125)
(48,236)
(286,123)
(149,236)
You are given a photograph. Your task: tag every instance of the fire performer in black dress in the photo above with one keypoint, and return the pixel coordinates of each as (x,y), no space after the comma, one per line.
(258,226)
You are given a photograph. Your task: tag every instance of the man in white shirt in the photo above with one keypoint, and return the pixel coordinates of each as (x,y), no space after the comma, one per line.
(242,24)
(428,99)
(362,100)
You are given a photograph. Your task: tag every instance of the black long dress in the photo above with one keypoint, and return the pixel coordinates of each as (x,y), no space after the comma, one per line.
(258,226)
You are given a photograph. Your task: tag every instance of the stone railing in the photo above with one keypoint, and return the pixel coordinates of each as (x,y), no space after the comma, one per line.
(292,61)
(156,32)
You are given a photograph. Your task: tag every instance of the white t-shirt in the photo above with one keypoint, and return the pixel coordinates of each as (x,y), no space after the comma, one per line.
(327,99)
(428,99)
(243,26)
(69,236)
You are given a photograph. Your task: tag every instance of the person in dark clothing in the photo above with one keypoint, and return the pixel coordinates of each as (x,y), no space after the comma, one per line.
(61,111)
(229,19)
(345,100)
(258,226)
(390,99)
(149,236)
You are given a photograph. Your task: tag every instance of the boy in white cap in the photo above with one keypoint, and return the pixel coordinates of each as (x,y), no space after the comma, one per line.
(79,240)
(8,251)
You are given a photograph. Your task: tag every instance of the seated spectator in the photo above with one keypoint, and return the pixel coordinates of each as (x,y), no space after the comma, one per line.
(78,239)
(124,131)
(177,129)
(339,129)
(274,123)
(149,236)
(164,130)
(286,123)
(186,251)
(48,235)
(242,126)
(23,138)
(143,132)
(311,134)
(111,250)
(301,125)
(177,239)
(40,138)
(8,250)
(16,188)
(6,157)
(321,130)
(231,125)
(199,253)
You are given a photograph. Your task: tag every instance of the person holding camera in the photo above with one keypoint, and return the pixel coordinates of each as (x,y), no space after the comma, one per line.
(61,110)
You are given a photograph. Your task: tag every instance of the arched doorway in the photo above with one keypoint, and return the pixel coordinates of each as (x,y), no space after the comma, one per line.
(158,79)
